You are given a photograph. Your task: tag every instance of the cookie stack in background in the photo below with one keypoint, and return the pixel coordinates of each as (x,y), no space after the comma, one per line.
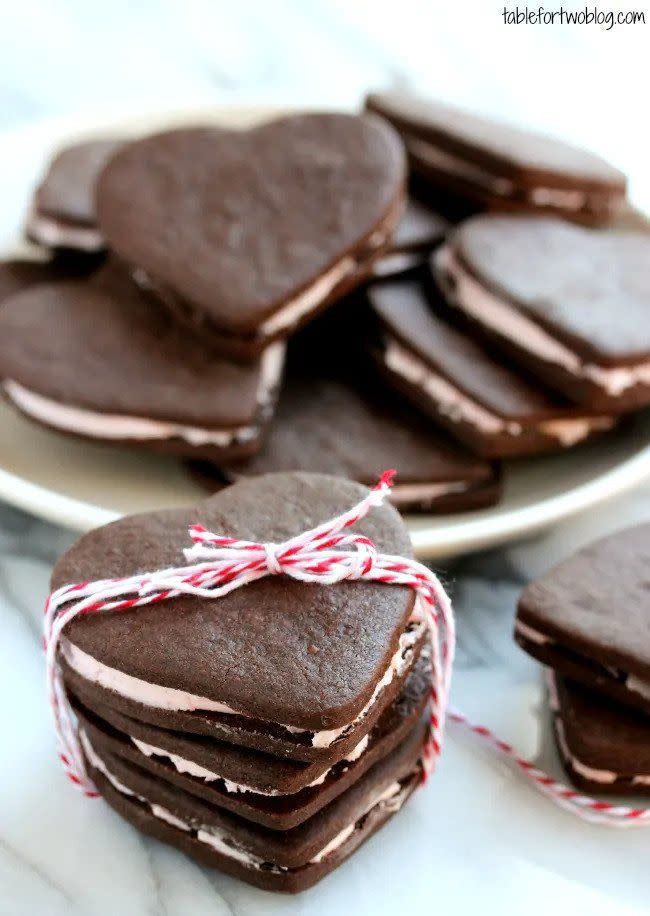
(421,332)
(268,733)
(587,622)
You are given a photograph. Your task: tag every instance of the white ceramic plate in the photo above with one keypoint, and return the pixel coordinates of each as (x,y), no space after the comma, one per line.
(81,485)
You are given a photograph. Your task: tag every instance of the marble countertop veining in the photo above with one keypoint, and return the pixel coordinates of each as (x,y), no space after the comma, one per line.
(61,854)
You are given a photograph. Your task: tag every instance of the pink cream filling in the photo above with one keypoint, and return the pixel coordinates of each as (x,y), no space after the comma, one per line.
(499,316)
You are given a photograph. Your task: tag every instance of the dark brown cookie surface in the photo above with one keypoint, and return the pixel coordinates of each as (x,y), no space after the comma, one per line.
(104,347)
(277,650)
(464,385)
(238,223)
(334,427)
(589,617)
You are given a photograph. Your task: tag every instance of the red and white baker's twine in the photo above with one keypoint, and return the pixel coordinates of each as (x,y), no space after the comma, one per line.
(324,555)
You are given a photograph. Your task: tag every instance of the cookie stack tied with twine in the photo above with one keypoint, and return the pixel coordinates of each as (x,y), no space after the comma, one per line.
(266,730)
(271,731)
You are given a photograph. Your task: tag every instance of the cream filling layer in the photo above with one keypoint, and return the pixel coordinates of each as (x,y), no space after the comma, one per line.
(460,408)
(397,262)
(532,635)
(170,698)
(391,799)
(302,304)
(570,199)
(309,299)
(499,316)
(426,492)
(183,765)
(53,233)
(117,427)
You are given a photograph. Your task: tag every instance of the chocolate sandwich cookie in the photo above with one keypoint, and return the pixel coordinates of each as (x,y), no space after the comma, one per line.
(419,231)
(501,166)
(588,618)
(248,234)
(291,860)
(462,384)
(570,305)
(604,746)
(99,359)
(63,209)
(276,792)
(219,668)
(354,430)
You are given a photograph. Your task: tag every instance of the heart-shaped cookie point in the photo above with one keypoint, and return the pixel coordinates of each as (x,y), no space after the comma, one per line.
(530,285)
(249,233)
(301,661)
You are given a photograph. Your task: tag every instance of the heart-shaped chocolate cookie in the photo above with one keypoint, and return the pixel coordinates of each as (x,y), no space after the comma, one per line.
(250,232)
(100,359)
(570,304)
(278,664)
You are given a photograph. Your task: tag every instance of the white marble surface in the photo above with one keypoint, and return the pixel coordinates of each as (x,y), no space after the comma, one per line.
(476,837)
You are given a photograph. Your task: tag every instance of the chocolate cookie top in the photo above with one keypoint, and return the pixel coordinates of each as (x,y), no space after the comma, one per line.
(591,288)
(598,601)
(277,649)
(239,222)
(67,190)
(418,323)
(511,151)
(104,346)
(328,425)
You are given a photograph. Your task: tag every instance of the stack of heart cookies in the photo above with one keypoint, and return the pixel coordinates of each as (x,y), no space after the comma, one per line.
(341,268)
(268,732)
(587,622)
